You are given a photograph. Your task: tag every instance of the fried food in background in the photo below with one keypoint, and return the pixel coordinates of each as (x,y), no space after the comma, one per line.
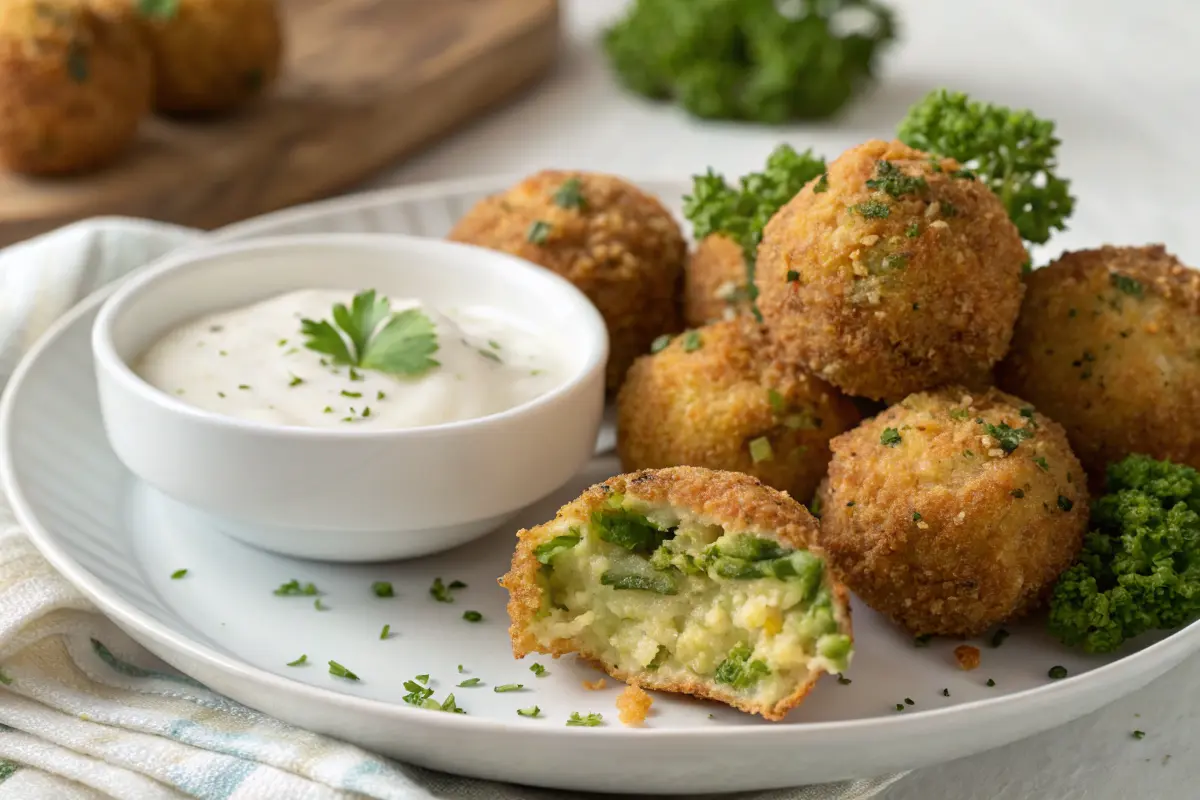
(711,398)
(684,580)
(893,274)
(73,87)
(619,245)
(209,55)
(950,513)
(1108,342)
(714,282)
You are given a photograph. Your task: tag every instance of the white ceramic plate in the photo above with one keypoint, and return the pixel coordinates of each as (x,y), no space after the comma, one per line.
(119,542)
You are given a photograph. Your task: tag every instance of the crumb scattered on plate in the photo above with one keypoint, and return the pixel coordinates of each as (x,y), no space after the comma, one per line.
(595,685)
(633,705)
(966,656)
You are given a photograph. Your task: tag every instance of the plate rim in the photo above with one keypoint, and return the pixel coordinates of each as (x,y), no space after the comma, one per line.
(1169,650)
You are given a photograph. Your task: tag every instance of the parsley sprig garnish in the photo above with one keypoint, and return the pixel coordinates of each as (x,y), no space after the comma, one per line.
(370,336)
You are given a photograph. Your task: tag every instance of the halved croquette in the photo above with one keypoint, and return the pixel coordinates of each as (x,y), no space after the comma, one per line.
(684,580)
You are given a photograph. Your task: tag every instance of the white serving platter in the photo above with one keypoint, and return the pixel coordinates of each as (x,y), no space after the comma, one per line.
(119,542)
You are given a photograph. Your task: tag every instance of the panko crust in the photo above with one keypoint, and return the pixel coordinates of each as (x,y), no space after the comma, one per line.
(734,501)
(209,55)
(714,282)
(623,249)
(943,532)
(1120,367)
(74,87)
(703,408)
(883,307)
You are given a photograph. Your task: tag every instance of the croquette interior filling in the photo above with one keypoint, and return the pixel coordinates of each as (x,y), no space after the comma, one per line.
(654,589)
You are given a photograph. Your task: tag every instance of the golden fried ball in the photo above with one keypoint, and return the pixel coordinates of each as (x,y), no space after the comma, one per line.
(892,274)
(714,282)
(1108,342)
(711,399)
(619,245)
(209,55)
(73,87)
(951,512)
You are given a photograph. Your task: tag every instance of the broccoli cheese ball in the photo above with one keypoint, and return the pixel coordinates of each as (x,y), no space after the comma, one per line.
(894,272)
(713,399)
(951,512)
(714,282)
(1108,342)
(73,87)
(685,580)
(619,245)
(209,55)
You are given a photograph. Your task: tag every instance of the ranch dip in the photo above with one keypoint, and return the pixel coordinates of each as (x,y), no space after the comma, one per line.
(431,367)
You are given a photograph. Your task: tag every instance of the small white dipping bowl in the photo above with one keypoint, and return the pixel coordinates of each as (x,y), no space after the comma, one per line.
(350,495)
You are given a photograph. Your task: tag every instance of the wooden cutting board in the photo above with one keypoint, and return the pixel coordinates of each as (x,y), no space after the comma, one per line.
(366,82)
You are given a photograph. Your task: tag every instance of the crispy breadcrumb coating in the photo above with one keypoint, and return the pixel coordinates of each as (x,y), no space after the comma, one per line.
(1108,343)
(714,398)
(619,245)
(714,282)
(901,274)
(950,513)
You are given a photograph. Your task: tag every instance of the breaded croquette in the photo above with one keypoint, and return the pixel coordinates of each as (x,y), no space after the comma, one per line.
(712,398)
(1108,342)
(950,513)
(714,282)
(684,580)
(74,87)
(619,245)
(893,273)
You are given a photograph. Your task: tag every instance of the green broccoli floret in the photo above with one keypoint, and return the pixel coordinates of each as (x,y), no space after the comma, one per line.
(1012,151)
(1140,566)
(759,60)
(741,213)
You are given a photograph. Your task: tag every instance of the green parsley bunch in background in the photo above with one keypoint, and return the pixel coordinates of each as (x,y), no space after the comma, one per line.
(759,60)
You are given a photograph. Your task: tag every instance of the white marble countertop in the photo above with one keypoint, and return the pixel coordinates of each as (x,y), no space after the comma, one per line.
(1121,80)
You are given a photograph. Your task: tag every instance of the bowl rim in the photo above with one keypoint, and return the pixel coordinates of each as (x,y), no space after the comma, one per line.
(144,281)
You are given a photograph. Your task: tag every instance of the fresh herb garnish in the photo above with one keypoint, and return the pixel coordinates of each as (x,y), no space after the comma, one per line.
(1057,672)
(457,585)
(1007,437)
(762,61)
(532,711)
(383,589)
(999,636)
(303,659)
(1065,503)
(158,9)
(590,721)
(319,606)
(538,232)
(294,588)
(490,356)
(1139,734)
(1042,463)
(1126,284)
(442,593)
(891,180)
(1012,151)
(337,670)
(472,616)
(843,680)
(509,687)
(890,437)
(469,682)
(348,393)
(741,214)
(991,682)
(660,343)
(295,381)
(179,573)
(916,516)
(570,195)
(370,336)
(872,209)
(692,341)
(537,669)
(822,184)
(386,632)
(913,230)
(792,276)
(908,701)
(945,692)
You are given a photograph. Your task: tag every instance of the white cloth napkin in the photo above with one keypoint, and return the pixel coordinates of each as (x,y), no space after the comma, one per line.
(85,712)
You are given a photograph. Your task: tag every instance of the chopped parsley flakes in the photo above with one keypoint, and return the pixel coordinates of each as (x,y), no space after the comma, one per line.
(337,670)
(1057,672)
(386,632)
(692,341)
(538,232)
(890,437)
(590,721)
(537,669)
(294,588)
(822,184)
(442,593)
(179,573)
(469,682)
(872,209)
(660,343)
(472,616)
(1065,503)
(1126,284)
(532,711)
(318,605)
(570,195)
(999,636)
(1007,437)
(383,589)
(303,659)
(890,180)
(509,687)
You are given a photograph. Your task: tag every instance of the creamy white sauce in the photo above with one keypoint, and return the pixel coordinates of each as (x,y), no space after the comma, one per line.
(252,363)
